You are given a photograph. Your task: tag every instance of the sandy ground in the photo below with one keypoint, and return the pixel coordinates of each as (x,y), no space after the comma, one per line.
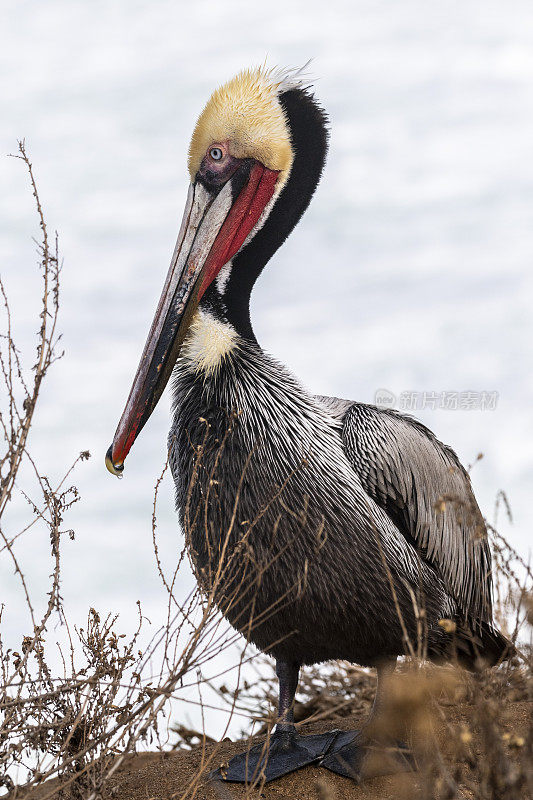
(170,776)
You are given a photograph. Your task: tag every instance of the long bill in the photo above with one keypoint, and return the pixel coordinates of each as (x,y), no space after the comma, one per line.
(213,229)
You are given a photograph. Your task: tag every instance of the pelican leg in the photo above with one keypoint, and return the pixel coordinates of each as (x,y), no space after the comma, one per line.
(358,754)
(286,750)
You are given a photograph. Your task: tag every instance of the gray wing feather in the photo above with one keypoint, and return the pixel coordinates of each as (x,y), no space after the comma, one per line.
(336,407)
(423,487)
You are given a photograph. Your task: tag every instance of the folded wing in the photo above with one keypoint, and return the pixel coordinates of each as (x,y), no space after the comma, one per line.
(420,483)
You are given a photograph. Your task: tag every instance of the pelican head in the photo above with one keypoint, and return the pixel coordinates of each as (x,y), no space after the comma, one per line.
(242,158)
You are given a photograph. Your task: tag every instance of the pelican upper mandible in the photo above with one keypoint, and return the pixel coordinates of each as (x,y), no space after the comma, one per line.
(318,523)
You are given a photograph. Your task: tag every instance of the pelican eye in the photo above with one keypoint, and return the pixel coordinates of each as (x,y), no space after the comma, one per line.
(216,153)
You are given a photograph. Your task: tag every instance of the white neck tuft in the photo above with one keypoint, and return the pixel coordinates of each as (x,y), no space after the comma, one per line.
(209,341)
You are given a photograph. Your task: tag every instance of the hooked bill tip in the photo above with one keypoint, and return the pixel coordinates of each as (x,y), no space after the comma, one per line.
(115,468)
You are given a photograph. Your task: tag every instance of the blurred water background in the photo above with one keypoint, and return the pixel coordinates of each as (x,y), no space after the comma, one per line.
(411,272)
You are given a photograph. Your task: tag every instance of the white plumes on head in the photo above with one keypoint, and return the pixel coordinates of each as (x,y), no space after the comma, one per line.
(284,79)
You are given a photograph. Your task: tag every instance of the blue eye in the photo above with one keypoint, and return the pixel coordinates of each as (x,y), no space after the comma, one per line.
(216,153)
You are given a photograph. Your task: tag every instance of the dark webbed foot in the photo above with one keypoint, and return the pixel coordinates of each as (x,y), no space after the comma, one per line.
(356,756)
(286,752)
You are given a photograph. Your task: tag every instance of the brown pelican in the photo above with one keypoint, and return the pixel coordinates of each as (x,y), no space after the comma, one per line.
(332,520)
